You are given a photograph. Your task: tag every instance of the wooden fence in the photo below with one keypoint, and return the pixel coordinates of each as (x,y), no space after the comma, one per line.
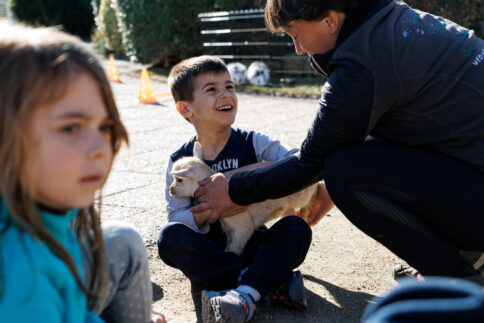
(3,8)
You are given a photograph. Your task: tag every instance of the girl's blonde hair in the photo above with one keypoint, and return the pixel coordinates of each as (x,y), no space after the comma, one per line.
(36,65)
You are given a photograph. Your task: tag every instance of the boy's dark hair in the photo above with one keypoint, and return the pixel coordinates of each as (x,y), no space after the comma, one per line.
(183,74)
(279,13)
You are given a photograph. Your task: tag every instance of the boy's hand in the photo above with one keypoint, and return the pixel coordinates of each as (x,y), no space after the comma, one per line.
(202,217)
(214,193)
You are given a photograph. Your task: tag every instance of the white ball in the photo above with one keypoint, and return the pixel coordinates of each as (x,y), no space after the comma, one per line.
(238,72)
(258,74)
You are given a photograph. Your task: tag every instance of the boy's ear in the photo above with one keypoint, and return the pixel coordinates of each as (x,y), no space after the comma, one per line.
(183,108)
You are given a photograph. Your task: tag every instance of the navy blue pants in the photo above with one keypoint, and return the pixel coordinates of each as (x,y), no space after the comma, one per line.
(422,205)
(270,255)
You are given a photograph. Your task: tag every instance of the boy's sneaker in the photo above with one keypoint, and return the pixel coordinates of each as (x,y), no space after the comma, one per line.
(404,271)
(227,306)
(291,292)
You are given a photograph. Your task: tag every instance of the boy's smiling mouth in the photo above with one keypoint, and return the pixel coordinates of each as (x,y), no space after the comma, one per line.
(224,108)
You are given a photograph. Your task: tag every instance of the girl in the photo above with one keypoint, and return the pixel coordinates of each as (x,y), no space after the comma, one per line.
(59,132)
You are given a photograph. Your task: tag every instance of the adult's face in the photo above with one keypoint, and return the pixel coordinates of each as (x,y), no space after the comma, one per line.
(315,37)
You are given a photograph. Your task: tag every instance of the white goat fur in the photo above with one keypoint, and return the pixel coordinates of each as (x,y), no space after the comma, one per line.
(186,173)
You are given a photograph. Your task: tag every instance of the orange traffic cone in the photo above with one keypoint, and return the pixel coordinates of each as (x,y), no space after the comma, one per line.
(145,91)
(113,75)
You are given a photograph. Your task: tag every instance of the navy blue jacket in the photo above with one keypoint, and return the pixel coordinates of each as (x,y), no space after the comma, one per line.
(397,74)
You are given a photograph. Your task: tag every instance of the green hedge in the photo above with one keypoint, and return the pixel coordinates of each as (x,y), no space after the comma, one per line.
(107,24)
(165,31)
(95,7)
(75,16)
(467,13)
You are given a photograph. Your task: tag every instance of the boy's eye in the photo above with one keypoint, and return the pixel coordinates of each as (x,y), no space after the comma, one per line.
(230,87)
(210,89)
(72,128)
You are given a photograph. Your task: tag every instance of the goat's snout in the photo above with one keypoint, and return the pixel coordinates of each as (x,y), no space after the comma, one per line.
(172,190)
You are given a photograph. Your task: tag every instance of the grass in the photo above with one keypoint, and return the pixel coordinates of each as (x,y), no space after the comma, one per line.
(298,90)
(303,88)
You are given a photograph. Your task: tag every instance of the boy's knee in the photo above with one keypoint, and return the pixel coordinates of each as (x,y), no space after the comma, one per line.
(168,236)
(297,229)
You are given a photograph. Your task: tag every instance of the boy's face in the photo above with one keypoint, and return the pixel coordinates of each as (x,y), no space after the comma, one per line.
(214,101)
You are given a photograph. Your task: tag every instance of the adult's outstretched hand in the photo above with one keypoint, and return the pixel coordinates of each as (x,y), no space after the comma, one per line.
(214,193)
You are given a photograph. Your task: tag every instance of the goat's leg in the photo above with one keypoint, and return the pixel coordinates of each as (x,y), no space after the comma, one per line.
(239,229)
(239,240)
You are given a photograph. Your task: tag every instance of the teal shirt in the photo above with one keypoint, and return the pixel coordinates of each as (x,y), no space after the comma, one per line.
(35,285)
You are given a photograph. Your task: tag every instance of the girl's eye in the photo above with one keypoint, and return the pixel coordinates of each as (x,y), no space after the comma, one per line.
(70,129)
(107,128)
(179,180)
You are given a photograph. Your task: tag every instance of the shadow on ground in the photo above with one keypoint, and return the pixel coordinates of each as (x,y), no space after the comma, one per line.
(157,292)
(350,304)
(349,308)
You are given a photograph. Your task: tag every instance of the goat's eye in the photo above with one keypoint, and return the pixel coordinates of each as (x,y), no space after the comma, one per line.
(179,180)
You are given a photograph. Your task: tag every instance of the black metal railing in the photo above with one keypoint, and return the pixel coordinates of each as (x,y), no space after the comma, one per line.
(241,36)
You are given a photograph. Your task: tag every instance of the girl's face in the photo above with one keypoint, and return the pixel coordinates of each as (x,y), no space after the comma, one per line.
(68,146)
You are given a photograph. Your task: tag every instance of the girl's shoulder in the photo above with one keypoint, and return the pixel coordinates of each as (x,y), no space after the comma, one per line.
(34,279)
(26,259)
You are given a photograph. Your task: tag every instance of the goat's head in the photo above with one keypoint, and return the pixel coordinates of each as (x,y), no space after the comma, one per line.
(186,173)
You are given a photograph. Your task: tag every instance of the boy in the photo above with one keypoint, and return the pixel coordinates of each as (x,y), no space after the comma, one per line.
(205,96)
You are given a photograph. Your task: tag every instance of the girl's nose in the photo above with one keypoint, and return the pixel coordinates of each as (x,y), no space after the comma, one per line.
(100,145)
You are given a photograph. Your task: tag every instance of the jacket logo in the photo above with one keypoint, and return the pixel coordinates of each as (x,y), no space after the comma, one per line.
(478,58)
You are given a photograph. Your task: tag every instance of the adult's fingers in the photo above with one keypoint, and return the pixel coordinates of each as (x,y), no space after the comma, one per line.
(199,192)
(314,219)
(204,206)
(205,181)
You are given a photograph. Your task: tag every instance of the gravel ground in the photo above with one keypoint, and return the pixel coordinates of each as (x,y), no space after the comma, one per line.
(343,270)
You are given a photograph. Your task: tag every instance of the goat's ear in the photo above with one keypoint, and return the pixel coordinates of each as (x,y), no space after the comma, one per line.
(197,150)
(182,172)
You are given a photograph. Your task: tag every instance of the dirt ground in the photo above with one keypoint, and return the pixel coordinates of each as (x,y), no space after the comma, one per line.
(343,271)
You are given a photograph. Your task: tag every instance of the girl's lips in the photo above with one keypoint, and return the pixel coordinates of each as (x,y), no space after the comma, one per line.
(91,179)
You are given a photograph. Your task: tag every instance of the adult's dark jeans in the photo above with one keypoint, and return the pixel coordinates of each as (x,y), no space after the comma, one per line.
(422,205)
(270,254)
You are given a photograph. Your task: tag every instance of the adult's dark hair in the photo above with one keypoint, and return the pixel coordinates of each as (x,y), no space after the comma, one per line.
(279,13)
(182,75)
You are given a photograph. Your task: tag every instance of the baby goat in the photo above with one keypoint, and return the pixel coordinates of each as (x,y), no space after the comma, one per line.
(186,173)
